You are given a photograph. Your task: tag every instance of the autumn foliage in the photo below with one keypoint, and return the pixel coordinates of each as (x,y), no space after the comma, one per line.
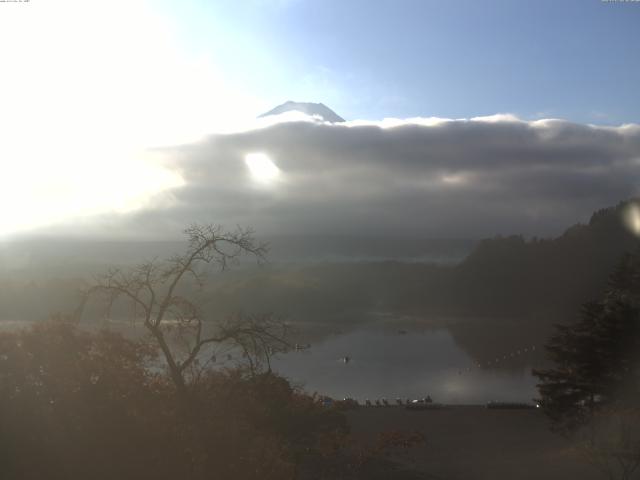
(79,405)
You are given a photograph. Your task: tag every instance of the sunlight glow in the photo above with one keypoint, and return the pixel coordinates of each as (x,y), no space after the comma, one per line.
(81,106)
(262,168)
(632,218)
(454,179)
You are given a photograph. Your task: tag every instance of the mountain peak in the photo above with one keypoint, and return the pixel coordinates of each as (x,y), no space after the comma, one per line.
(312,109)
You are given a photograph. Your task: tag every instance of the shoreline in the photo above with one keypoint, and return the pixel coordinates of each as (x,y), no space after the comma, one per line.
(473,442)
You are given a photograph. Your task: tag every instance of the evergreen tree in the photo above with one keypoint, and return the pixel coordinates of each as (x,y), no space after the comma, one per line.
(597,358)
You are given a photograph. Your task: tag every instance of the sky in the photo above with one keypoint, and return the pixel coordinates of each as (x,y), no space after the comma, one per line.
(575,59)
(116,113)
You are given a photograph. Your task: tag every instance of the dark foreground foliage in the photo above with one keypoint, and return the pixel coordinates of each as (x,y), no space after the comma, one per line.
(592,393)
(596,359)
(80,405)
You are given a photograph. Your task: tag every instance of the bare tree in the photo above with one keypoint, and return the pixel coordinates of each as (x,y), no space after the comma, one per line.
(158,293)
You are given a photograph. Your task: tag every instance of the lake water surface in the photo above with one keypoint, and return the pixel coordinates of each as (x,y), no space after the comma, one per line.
(385,362)
(405,365)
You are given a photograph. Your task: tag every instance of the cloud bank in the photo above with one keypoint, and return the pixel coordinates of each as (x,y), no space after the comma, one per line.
(429,177)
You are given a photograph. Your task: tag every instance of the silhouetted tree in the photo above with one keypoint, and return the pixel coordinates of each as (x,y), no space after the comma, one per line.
(161,293)
(596,359)
(593,391)
(79,405)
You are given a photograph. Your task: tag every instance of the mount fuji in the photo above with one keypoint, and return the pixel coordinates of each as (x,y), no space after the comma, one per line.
(312,109)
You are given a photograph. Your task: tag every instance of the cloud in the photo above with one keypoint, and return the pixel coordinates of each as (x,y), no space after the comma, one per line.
(431,177)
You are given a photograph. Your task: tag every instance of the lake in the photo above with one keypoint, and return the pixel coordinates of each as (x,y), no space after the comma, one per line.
(406,365)
(387,361)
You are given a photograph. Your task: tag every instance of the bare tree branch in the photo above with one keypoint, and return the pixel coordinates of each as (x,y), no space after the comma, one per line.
(153,289)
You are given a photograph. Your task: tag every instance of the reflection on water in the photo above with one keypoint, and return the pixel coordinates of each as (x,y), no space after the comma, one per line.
(412,365)
(385,362)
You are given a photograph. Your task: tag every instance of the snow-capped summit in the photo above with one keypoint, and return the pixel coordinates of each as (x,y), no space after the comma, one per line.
(312,109)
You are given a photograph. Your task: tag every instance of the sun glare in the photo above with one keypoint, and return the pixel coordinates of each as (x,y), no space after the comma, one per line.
(632,218)
(78,117)
(262,168)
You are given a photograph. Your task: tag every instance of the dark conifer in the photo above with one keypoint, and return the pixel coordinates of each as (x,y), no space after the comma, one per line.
(596,360)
